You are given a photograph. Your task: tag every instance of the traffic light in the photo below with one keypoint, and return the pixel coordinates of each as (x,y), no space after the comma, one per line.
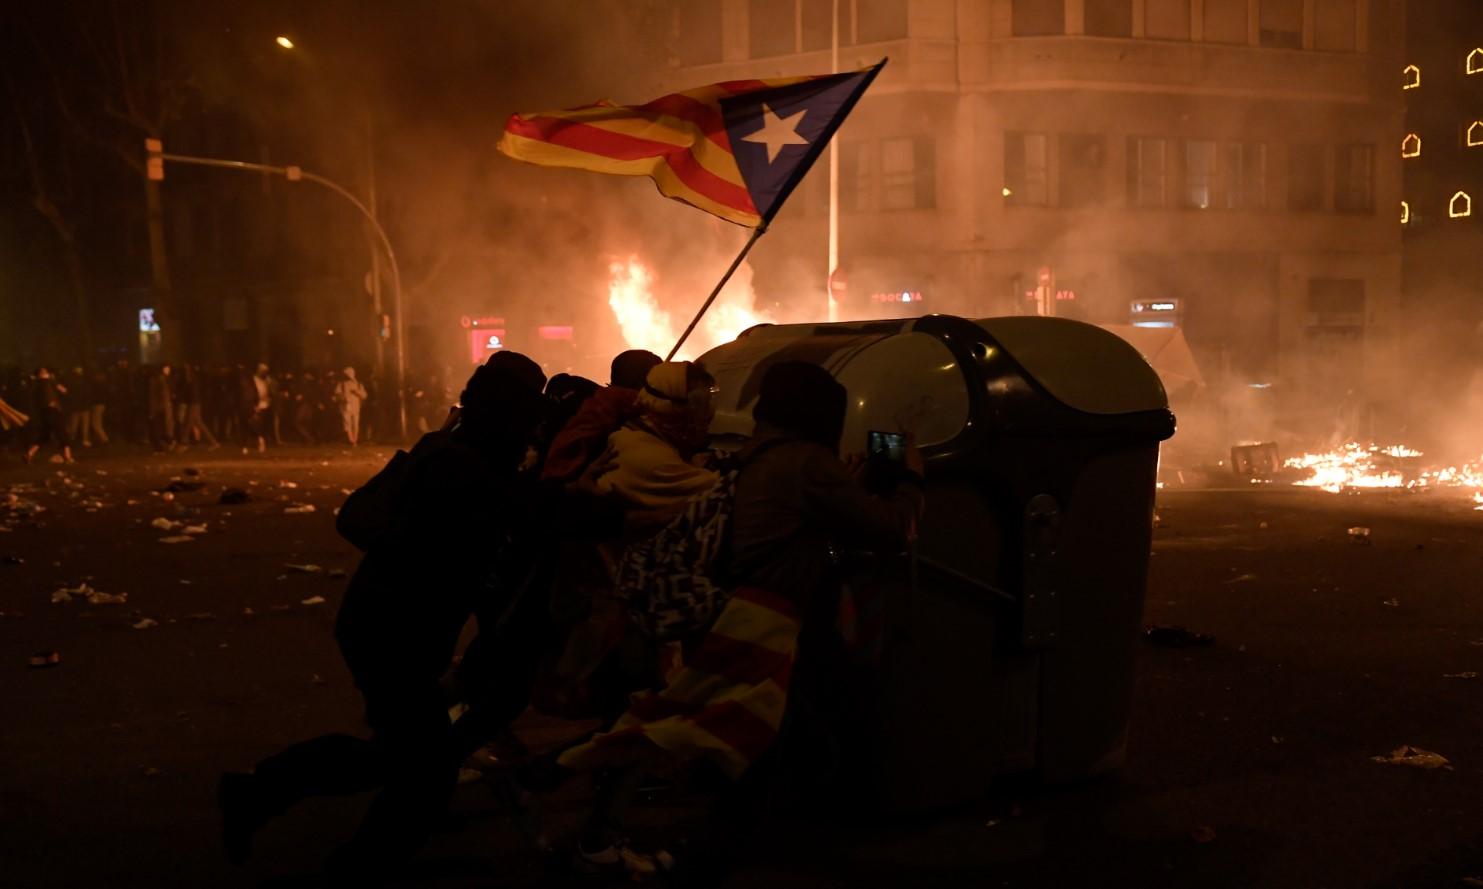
(154,160)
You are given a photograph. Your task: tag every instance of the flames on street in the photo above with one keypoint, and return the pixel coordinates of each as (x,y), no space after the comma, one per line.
(1357,466)
(647,324)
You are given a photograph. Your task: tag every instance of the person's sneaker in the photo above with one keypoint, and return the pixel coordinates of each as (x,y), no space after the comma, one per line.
(241,815)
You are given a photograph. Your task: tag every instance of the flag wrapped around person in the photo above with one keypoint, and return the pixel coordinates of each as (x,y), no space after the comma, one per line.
(735,149)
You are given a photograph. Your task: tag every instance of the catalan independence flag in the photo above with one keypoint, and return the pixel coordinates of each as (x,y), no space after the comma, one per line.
(736,149)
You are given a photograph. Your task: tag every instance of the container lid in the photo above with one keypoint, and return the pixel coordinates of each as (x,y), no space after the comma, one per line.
(1082,366)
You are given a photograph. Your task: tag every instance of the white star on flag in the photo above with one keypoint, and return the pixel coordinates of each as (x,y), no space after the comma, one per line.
(777,132)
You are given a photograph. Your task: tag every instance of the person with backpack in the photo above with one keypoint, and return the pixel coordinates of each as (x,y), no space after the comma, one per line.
(454,501)
(766,573)
(585,435)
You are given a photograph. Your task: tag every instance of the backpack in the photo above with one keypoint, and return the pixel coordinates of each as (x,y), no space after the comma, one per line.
(668,584)
(368,515)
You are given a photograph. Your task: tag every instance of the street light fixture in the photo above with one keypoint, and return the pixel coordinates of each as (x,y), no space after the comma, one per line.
(284,42)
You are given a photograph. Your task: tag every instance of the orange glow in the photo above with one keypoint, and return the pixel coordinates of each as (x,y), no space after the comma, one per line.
(1411,77)
(1411,145)
(1461,205)
(1357,466)
(644,324)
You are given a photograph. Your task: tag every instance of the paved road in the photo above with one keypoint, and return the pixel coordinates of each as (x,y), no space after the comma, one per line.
(1249,761)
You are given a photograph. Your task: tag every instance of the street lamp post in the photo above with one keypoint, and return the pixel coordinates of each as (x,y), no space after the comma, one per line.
(295,174)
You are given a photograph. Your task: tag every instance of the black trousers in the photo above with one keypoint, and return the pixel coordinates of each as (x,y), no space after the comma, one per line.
(408,756)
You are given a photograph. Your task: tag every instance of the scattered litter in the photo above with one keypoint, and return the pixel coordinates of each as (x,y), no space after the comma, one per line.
(167,496)
(194,529)
(1203,834)
(1241,579)
(317,679)
(288,484)
(248,612)
(146,623)
(1262,526)
(1171,636)
(347,492)
(177,486)
(151,772)
(1406,755)
(179,538)
(164,524)
(337,574)
(1466,674)
(186,582)
(1392,603)
(299,509)
(66,593)
(1360,535)
(99,598)
(1277,739)
(46,658)
(304,569)
(314,600)
(993,822)
(191,471)
(233,496)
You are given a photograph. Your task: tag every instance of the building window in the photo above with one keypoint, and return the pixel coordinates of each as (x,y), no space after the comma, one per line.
(856,176)
(1225,21)
(1405,212)
(879,20)
(1080,169)
(772,26)
(908,168)
(698,32)
(1305,178)
(1035,18)
(1199,175)
(1025,180)
(1109,18)
(1335,26)
(1244,166)
(1475,134)
(1475,62)
(1166,19)
(1354,172)
(1411,145)
(1461,205)
(1282,24)
(1411,77)
(1147,172)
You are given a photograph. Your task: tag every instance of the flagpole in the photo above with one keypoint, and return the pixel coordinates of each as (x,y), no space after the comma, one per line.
(735,264)
(833,182)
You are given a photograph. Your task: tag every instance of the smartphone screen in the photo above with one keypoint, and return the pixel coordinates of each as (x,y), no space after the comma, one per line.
(887,445)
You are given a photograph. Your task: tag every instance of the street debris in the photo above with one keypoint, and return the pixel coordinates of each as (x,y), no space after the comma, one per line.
(1392,602)
(178,538)
(1171,636)
(1406,755)
(146,624)
(337,574)
(1241,579)
(304,569)
(233,496)
(164,524)
(287,484)
(12,560)
(42,659)
(180,486)
(1360,535)
(1466,674)
(299,509)
(314,600)
(194,529)
(85,591)
(248,612)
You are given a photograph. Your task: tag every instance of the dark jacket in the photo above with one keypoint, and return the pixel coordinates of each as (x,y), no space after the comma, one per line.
(793,499)
(411,596)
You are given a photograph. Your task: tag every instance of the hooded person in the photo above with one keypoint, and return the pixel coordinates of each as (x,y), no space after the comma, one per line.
(397,630)
(585,435)
(350,394)
(48,397)
(794,500)
(652,454)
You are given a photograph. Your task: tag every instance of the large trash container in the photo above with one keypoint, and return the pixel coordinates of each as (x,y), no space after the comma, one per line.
(1010,636)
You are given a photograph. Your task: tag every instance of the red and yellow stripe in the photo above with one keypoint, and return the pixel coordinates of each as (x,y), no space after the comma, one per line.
(725,704)
(678,140)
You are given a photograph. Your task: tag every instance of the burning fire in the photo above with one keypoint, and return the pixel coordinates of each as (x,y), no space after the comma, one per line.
(1359,466)
(647,325)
